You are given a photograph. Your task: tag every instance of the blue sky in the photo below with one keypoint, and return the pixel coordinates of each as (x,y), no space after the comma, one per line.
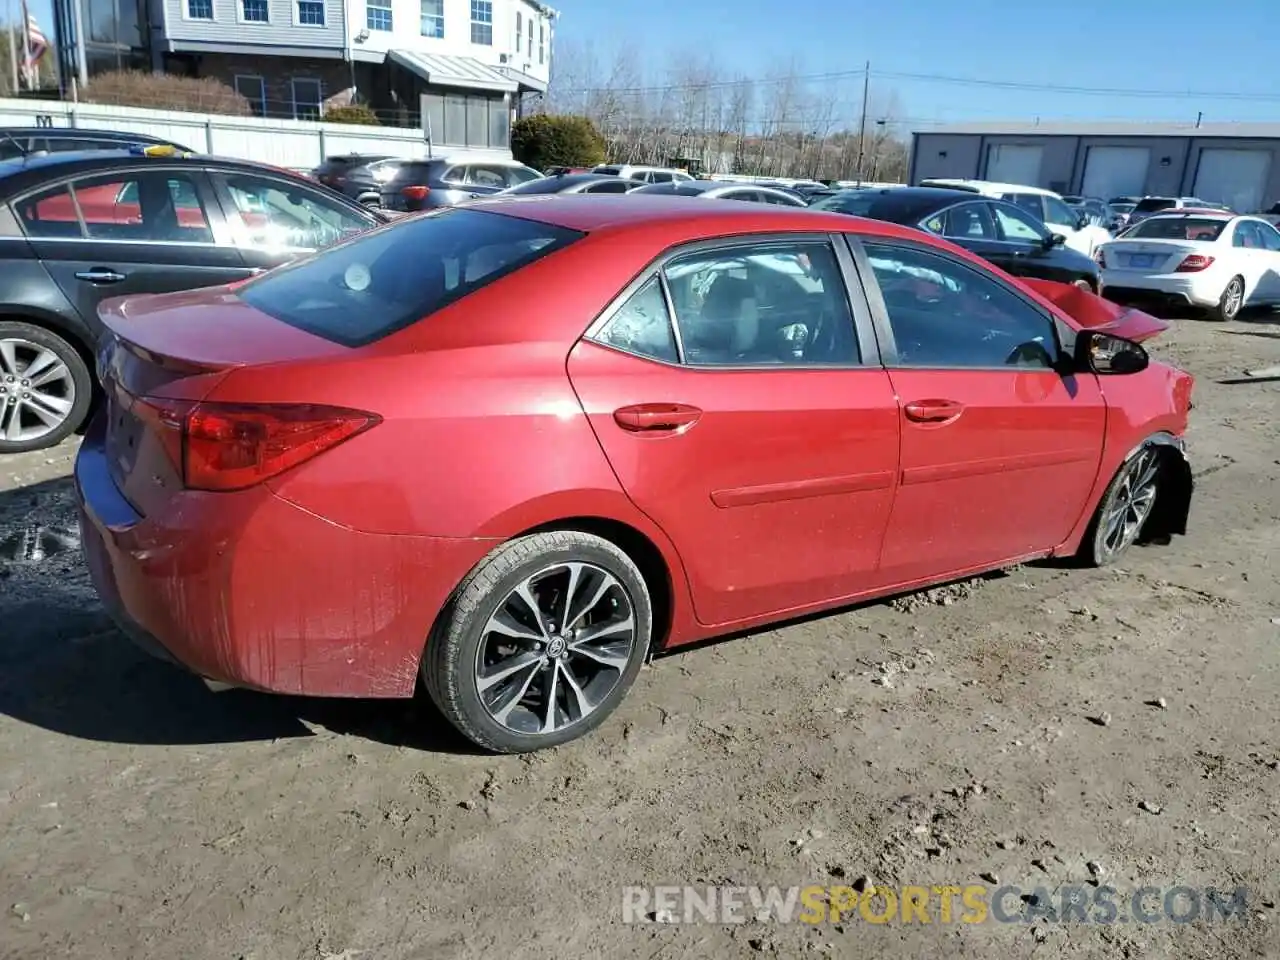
(1174,46)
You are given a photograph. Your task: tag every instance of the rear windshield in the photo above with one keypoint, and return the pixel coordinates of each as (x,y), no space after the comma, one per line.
(379,282)
(611,171)
(1148,204)
(1177,228)
(857,203)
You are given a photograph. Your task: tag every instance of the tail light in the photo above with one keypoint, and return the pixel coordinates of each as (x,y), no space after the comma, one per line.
(415,193)
(232,446)
(1194,263)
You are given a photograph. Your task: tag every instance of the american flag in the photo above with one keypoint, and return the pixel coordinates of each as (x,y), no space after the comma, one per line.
(35,43)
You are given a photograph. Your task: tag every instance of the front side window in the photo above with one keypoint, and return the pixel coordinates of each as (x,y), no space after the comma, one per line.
(311,13)
(254,11)
(200,9)
(274,215)
(762,304)
(1270,236)
(433,18)
(482,22)
(378,283)
(1015,225)
(1247,236)
(642,325)
(946,314)
(377,15)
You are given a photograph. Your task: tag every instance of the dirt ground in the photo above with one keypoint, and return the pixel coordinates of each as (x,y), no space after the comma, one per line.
(144,816)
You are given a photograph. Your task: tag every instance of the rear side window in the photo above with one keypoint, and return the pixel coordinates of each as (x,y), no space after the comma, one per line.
(369,287)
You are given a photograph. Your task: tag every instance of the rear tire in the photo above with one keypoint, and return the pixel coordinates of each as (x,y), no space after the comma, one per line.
(1231,301)
(43,409)
(541,642)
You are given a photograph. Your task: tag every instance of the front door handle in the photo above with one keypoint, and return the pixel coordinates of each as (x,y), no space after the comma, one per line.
(933,411)
(100,275)
(649,417)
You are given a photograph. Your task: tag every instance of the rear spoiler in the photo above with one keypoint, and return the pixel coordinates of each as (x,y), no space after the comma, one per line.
(1092,312)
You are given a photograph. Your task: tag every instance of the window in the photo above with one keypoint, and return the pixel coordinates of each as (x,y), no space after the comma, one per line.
(1017,226)
(306,98)
(1058,212)
(1177,228)
(969,221)
(447,116)
(276,215)
(642,325)
(856,203)
(200,9)
(482,22)
(377,14)
(311,13)
(433,18)
(530,46)
(1031,202)
(542,42)
(49,215)
(762,304)
(1247,236)
(364,290)
(254,11)
(621,186)
(253,89)
(946,314)
(67,145)
(152,207)
(1270,236)
(519,30)
(521,174)
(1152,204)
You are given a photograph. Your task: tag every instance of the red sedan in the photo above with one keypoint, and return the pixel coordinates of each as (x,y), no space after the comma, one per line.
(515,447)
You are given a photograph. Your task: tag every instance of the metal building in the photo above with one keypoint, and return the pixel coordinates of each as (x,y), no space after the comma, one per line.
(1237,164)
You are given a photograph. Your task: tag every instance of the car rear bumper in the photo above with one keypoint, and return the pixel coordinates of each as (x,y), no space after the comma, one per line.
(247,589)
(1183,290)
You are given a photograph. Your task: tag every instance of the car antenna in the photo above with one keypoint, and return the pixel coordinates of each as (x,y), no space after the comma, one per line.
(21,149)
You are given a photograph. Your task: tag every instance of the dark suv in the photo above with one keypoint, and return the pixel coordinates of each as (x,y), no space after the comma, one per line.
(23,141)
(350,175)
(78,228)
(410,185)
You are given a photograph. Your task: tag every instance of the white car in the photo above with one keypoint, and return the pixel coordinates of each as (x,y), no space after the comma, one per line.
(1047,206)
(1216,261)
(644,174)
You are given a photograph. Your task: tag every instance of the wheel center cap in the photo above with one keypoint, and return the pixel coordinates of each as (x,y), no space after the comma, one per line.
(556,647)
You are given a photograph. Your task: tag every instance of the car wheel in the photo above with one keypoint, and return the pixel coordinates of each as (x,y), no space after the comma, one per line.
(541,642)
(1125,508)
(45,388)
(1231,301)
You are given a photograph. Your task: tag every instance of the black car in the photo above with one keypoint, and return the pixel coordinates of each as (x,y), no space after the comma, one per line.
(996,230)
(354,175)
(572,183)
(78,228)
(25,141)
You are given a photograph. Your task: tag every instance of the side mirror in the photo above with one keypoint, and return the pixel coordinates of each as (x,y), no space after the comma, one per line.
(1106,355)
(1054,240)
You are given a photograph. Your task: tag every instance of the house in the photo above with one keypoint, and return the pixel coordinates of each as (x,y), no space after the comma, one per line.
(460,68)
(1237,164)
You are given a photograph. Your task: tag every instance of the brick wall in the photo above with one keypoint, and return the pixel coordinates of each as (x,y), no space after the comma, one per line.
(277,74)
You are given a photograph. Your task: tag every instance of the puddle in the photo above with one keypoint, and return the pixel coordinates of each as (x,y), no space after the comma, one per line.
(38,542)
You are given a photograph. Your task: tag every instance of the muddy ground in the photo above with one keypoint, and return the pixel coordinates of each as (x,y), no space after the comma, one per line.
(143,816)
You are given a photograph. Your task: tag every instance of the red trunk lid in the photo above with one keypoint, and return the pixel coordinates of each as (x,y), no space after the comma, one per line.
(176,348)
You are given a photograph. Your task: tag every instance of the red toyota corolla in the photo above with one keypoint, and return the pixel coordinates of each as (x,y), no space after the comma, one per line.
(514,447)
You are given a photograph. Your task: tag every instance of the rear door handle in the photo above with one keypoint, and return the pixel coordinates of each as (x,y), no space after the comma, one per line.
(933,411)
(100,275)
(648,417)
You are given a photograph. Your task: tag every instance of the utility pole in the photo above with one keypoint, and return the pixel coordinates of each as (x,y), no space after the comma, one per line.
(862,124)
(13,46)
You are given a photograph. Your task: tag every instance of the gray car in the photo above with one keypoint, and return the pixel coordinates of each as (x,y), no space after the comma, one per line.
(573,183)
(445,181)
(716,190)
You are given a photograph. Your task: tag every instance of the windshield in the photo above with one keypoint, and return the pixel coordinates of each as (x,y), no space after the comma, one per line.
(379,282)
(1122,207)
(1177,228)
(1151,204)
(856,203)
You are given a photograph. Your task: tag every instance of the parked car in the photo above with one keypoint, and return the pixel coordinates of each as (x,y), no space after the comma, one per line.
(28,141)
(350,175)
(718,190)
(1045,205)
(854,407)
(1098,211)
(1208,259)
(644,174)
(413,185)
(1151,205)
(996,230)
(76,228)
(1121,219)
(572,183)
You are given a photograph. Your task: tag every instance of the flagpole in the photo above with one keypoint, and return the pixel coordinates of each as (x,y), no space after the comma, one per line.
(13,46)
(26,46)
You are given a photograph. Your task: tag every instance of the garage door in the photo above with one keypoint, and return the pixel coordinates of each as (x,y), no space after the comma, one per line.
(1237,178)
(1116,172)
(1013,163)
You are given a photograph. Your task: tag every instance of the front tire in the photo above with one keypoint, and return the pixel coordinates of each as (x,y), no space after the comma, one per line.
(1231,301)
(541,642)
(1124,509)
(45,388)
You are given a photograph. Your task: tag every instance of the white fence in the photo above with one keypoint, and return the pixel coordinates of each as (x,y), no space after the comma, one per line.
(296,144)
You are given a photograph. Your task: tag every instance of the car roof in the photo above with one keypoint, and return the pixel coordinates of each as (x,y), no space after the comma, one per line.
(914,203)
(982,186)
(81,133)
(560,181)
(597,212)
(20,173)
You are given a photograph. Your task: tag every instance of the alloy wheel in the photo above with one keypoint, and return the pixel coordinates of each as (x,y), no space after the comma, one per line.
(37,390)
(555,647)
(1232,298)
(1131,503)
